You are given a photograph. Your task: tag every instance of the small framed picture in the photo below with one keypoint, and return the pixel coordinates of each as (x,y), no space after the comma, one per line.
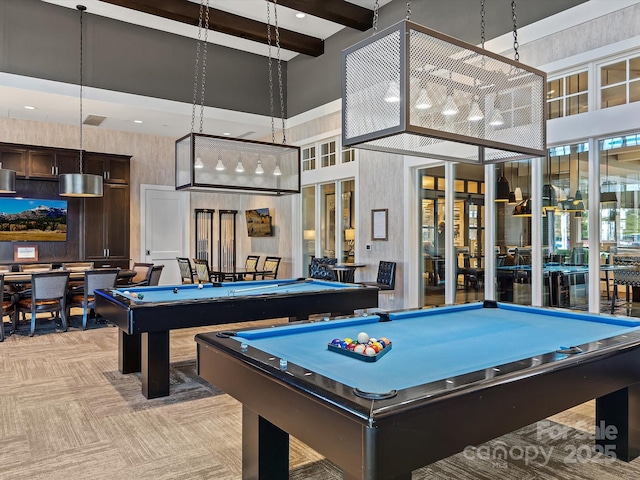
(25,253)
(379,224)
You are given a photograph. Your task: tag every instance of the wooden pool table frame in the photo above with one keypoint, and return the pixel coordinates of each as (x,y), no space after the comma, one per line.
(388,438)
(143,341)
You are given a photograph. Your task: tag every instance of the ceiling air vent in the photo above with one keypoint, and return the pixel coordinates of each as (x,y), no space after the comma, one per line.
(94,120)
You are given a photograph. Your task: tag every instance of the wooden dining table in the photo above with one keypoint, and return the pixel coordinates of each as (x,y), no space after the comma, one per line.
(22,278)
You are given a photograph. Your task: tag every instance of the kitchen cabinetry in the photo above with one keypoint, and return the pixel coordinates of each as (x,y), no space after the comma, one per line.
(50,163)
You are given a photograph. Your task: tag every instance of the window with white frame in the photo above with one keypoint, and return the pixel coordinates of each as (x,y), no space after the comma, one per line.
(568,95)
(328,154)
(308,158)
(348,154)
(620,82)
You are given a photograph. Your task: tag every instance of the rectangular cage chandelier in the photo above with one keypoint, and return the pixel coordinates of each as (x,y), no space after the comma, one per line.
(208,163)
(411,90)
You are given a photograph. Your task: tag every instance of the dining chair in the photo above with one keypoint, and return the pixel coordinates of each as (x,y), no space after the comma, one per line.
(8,306)
(320,268)
(202,270)
(36,267)
(270,267)
(48,294)
(142,273)
(77,266)
(154,275)
(85,299)
(186,270)
(251,263)
(386,278)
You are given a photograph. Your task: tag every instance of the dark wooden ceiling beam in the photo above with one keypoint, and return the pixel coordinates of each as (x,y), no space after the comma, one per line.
(337,11)
(220,21)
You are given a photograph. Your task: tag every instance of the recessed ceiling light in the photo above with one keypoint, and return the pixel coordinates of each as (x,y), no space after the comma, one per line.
(137,121)
(29,107)
(300,15)
(226,134)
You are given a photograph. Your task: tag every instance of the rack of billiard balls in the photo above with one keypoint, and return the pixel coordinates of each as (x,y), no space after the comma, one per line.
(362,347)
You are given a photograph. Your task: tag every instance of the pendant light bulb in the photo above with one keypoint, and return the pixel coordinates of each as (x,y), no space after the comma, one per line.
(518,193)
(450,108)
(475,114)
(220,166)
(239,166)
(198,163)
(259,169)
(277,172)
(496,119)
(393,92)
(423,102)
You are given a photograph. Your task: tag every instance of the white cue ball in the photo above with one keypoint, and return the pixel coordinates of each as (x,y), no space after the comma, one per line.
(200,286)
(363,337)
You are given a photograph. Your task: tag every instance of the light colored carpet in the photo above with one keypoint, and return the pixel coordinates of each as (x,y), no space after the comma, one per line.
(66,413)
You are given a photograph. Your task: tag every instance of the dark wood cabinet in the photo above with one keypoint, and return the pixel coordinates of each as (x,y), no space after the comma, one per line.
(106,229)
(113,170)
(14,159)
(98,228)
(48,164)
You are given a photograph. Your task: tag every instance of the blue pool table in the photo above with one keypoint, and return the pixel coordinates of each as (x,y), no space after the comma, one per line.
(143,344)
(455,376)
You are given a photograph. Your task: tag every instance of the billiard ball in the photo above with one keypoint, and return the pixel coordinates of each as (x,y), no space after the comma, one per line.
(175,290)
(385,340)
(363,337)
(200,286)
(126,292)
(370,351)
(348,340)
(134,295)
(336,342)
(359,348)
(140,296)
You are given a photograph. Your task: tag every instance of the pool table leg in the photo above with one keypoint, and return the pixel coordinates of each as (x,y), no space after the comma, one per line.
(618,423)
(155,364)
(129,348)
(265,449)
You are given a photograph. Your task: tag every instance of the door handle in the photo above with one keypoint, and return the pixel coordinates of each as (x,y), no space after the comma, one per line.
(148,252)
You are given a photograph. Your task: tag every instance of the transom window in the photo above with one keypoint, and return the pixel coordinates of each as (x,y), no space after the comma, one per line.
(620,82)
(568,95)
(328,154)
(309,158)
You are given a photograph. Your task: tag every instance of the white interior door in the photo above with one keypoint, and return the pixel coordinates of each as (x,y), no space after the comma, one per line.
(165,229)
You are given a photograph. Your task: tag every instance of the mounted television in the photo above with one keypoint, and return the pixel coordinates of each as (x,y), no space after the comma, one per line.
(258,223)
(33,220)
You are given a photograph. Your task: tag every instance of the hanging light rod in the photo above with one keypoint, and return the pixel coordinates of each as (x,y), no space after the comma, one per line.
(80,184)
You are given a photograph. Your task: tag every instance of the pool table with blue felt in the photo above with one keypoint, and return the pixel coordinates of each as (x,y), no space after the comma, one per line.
(144,323)
(455,376)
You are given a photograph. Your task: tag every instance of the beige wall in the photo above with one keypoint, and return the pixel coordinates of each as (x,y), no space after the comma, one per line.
(152,162)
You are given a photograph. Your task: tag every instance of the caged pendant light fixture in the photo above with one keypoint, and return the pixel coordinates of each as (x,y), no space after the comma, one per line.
(378,111)
(210,163)
(80,184)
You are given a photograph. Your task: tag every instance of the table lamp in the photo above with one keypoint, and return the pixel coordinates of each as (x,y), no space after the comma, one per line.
(350,236)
